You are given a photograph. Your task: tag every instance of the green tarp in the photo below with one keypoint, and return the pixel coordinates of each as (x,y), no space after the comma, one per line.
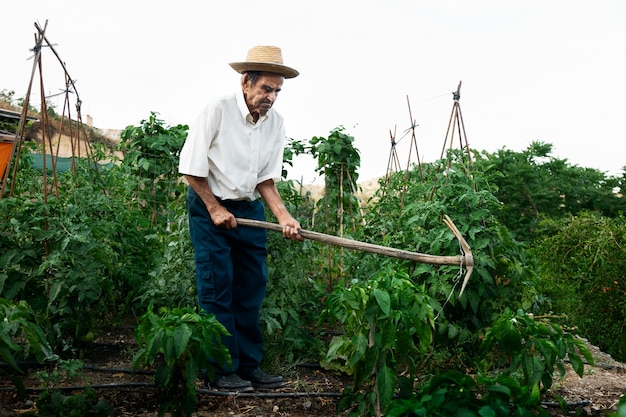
(62,164)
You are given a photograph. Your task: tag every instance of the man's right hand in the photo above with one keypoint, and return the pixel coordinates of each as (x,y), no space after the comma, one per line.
(222,218)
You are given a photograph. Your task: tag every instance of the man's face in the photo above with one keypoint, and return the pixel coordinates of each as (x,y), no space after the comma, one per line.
(261,96)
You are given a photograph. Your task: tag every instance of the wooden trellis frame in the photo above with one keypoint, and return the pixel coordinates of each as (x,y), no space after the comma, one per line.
(79,142)
(457,125)
(456,128)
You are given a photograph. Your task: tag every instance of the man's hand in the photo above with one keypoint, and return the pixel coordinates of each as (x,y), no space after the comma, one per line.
(222,218)
(291,229)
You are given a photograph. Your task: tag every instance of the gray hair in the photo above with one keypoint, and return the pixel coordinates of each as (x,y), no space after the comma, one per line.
(252,76)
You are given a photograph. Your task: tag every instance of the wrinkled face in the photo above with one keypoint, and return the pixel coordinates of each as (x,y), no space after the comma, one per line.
(261,95)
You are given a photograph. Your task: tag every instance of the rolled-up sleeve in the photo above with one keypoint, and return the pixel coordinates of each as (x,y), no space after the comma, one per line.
(194,157)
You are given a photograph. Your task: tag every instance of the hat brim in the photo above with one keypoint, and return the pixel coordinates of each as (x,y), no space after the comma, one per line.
(283,70)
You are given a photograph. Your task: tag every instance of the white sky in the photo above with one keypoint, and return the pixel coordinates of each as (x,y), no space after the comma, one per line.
(547,70)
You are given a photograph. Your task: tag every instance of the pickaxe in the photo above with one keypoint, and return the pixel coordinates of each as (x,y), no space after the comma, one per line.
(466,259)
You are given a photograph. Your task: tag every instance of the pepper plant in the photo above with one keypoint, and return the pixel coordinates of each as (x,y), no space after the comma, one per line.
(387,323)
(531,349)
(453,393)
(181,342)
(20,338)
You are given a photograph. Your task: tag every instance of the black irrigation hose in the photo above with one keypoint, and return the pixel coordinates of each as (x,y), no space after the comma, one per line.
(29,365)
(118,370)
(33,364)
(199,390)
(573,404)
(605,365)
(82,387)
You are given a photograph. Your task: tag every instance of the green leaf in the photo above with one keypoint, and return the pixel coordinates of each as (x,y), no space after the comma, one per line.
(533,369)
(386,383)
(453,331)
(163,375)
(501,389)
(359,348)
(535,394)
(336,346)
(464,412)
(6,355)
(181,339)
(486,411)
(584,349)
(55,290)
(548,350)
(577,364)
(383,300)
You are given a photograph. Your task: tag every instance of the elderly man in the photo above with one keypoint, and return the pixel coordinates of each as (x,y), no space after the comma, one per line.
(232,158)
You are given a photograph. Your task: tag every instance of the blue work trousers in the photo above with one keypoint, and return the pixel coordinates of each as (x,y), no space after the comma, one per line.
(231,276)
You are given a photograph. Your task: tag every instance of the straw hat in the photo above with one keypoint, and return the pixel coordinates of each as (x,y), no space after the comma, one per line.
(265,59)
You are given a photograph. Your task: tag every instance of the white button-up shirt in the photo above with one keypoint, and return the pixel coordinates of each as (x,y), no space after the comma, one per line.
(233,152)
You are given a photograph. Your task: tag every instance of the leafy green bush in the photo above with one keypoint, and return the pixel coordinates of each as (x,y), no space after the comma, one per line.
(172,283)
(53,403)
(582,261)
(77,256)
(74,259)
(291,307)
(21,337)
(338,160)
(533,186)
(151,153)
(407,214)
(294,298)
(63,371)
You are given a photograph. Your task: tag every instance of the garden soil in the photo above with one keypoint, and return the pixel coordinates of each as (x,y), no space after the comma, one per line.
(309,390)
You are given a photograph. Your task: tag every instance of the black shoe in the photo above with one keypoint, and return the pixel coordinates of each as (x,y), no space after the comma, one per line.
(232,382)
(260,379)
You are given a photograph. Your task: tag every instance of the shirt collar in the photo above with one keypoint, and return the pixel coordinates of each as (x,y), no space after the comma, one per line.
(243,108)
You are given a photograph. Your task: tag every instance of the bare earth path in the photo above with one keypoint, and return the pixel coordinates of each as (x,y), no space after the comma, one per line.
(309,391)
